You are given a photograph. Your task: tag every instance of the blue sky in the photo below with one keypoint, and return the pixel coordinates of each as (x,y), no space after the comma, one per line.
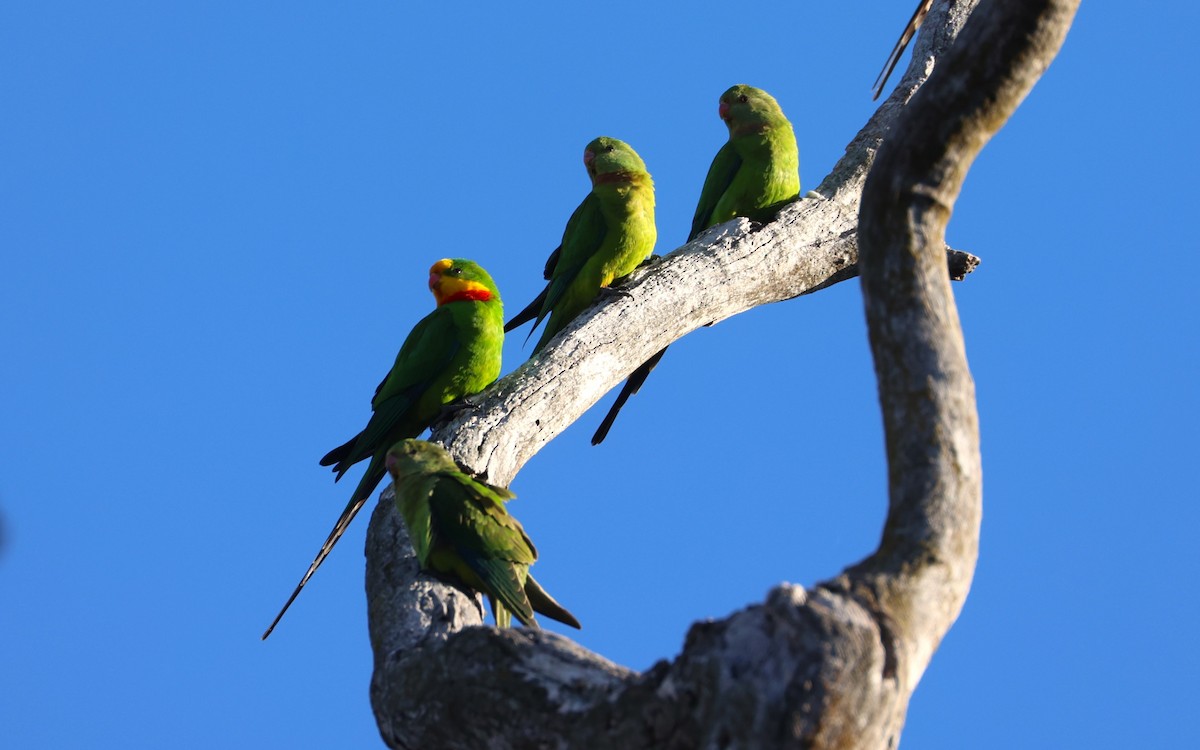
(216,222)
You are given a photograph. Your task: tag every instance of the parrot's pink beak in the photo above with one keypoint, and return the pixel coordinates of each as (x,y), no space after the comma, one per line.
(723,110)
(390,462)
(435,275)
(588,158)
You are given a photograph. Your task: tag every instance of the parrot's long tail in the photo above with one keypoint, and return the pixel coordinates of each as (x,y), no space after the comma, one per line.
(339,457)
(529,313)
(337,454)
(632,384)
(906,36)
(545,604)
(365,487)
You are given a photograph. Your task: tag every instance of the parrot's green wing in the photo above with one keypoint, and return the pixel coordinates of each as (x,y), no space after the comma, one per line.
(494,531)
(582,238)
(502,493)
(552,261)
(426,355)
(467,516)
(417,517)
(721,172)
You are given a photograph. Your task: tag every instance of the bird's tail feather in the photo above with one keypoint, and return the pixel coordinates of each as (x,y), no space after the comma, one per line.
(544,603)
(366,486)
(338,455)
(632,385)
(529,313)
(502,615)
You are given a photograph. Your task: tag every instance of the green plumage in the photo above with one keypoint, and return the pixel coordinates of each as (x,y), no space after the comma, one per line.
(451,353)
(607,236)
(755,173)
(758,168)
(459,526)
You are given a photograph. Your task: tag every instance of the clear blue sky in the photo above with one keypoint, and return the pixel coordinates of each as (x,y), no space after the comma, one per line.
(216,221)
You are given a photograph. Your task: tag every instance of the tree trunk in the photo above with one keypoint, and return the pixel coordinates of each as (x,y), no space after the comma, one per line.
(833,667)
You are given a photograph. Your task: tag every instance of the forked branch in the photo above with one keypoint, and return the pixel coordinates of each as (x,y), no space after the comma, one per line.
(830,667)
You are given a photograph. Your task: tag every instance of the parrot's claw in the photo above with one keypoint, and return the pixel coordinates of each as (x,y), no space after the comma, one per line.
(614,289)
(607,292)
(452,409)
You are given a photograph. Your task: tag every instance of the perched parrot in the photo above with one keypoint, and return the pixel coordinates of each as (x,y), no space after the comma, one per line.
(452,353)
(459,525)
(609,234)
(753,175)
(906,36)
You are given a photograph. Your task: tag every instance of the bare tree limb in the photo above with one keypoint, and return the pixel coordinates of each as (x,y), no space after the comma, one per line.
(831,667)
(919,577)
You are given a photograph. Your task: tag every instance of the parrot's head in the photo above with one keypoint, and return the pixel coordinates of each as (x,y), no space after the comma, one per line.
(460,280)
(409,457)
(746,109)
(611,160)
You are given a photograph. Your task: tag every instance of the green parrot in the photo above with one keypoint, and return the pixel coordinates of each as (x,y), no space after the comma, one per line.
(610,233)
(459,525)
(753,175)
(452,353)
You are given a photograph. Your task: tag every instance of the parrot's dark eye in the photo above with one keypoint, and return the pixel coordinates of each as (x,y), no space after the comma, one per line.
(743,98)
(455,271)
(610,148)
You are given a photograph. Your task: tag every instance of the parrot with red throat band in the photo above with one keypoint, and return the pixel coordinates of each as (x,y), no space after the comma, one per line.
(753,175)
(458,525)
(453,352)
(607,236)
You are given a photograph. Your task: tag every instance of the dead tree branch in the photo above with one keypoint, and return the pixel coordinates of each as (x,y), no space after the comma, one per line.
(831,667)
